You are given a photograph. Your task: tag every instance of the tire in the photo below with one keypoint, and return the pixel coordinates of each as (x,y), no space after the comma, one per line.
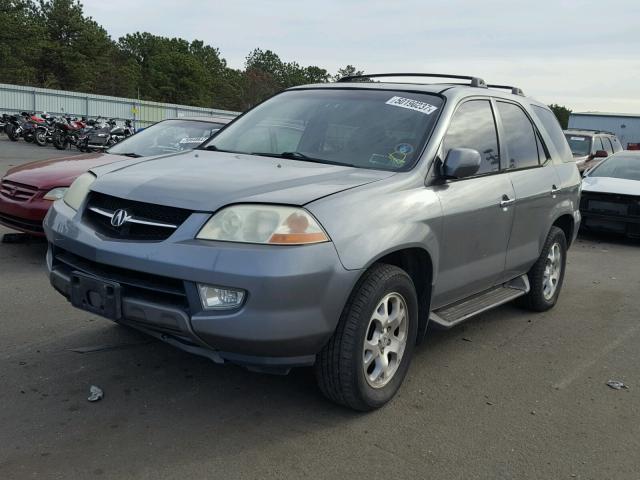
(11,133)
(40,138)
(340,366)
(59,141)
(540,299)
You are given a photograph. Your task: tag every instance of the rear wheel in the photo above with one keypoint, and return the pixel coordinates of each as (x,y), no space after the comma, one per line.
(366,360)
(547,274)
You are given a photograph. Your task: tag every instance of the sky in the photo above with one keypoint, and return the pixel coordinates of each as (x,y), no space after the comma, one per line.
(582,54)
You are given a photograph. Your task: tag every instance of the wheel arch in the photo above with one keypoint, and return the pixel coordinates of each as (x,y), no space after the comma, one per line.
(566,223)
(418,263)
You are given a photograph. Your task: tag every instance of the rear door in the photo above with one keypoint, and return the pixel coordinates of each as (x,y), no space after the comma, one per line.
(476,226)
(535,183)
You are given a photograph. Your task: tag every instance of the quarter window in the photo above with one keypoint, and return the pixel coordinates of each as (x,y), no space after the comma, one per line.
(616,144)
(607,145)
(551,125)
(473,126)
(519,136)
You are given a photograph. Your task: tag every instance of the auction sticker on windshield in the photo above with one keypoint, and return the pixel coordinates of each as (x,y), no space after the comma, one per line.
(416,105)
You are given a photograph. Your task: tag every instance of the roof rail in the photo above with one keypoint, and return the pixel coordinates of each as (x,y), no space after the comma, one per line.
(474,81)
(514,90)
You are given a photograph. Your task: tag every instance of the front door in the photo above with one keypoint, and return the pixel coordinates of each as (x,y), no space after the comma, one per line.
(477,211)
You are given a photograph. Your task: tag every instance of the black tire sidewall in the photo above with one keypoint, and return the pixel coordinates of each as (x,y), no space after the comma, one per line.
(555,236)
(402,284)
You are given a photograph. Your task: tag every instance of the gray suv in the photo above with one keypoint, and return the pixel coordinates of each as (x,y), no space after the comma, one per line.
(331,226)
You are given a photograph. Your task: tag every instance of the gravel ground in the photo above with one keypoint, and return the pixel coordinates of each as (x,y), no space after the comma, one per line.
(510,394)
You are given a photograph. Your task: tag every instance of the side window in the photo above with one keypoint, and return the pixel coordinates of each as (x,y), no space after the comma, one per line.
(607,145)
(473,126)
(552,126)
(519,136)
(597,145)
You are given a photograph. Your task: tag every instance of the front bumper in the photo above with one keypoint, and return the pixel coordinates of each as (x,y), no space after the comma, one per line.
(295,294)
(25,216)
(611,213)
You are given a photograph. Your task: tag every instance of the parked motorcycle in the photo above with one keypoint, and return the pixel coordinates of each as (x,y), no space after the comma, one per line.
(103,138)
(44,131)
(67,132)
(24,126)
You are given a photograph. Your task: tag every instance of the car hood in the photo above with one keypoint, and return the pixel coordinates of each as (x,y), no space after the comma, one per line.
(620,186)
(58,172)
(206,181)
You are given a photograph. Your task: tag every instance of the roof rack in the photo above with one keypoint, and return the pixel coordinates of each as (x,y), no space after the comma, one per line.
(592,130)
(514,90)
(474,81)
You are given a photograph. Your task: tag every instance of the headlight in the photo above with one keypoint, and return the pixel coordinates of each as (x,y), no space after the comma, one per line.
(78,190)
(272,224)
(56,193)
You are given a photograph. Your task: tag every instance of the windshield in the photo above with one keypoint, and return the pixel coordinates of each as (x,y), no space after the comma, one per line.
(378,129)
(167,136)
(580,144)
(620,165)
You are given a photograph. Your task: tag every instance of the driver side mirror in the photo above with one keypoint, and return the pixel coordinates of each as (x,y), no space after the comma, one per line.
(461,163)
(601,154)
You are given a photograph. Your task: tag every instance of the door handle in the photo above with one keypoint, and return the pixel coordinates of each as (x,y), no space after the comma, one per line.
(506,201)
(554,190)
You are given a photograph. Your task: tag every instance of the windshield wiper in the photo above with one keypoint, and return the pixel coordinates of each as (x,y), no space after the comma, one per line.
(301,156)
(130,154)
(213,148)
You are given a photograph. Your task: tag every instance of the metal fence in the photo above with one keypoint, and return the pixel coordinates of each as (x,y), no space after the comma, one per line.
(15,98)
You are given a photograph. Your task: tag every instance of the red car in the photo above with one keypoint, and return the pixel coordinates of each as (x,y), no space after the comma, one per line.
(27,191)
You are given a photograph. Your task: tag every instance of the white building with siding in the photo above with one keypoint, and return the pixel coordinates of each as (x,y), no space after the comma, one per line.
(625,125)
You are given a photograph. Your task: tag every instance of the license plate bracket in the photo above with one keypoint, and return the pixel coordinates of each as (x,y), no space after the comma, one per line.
(96,295)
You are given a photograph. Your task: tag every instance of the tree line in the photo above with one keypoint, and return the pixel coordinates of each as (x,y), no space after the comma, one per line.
(53,44)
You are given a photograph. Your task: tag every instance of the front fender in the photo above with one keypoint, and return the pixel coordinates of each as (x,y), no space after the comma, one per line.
(364,231)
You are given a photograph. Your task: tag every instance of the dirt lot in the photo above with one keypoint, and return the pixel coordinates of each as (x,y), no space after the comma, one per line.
(510,394)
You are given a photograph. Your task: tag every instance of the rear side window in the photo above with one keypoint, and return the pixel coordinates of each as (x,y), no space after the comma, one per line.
(519,136)
(473,126)
(597,144)
(551,125)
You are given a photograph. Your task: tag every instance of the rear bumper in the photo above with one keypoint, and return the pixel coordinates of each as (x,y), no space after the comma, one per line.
(295,295)
(25,216)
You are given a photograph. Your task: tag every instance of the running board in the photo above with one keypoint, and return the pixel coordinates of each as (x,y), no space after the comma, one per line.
(458,312)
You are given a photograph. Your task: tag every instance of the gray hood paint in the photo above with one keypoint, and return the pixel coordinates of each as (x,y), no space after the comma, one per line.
(620,186)
(207,181)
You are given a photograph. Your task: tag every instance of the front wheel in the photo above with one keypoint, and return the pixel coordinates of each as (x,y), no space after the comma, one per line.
(547,274)
(366,360)
(12,134)
(59,141)
(40,137)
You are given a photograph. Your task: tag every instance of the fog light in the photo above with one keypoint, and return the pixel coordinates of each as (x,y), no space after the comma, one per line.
(218,298)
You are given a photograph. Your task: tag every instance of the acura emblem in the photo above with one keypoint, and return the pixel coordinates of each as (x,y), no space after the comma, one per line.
(120,217)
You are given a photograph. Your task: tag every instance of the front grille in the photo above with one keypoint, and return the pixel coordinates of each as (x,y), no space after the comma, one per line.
(141,285)
(149,212)
(17,191)
(610,204)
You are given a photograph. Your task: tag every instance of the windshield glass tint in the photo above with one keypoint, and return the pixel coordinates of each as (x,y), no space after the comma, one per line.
(378,129)
(167,136)
(619,166)
(580,145)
